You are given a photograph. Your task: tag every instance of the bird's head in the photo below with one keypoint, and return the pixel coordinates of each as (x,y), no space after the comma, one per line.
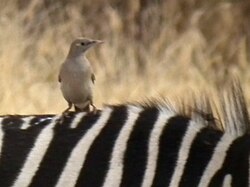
(81,45)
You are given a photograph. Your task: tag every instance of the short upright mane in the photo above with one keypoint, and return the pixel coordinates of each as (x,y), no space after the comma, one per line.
(229,115)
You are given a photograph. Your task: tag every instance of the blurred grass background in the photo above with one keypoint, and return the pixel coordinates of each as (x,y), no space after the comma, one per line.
(152,48)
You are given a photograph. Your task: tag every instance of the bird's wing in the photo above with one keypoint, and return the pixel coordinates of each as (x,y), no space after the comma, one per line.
(93,77)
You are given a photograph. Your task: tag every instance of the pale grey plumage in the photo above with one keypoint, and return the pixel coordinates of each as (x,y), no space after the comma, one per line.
(76,75)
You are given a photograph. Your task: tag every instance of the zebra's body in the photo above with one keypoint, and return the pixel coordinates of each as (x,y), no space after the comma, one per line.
(126,145)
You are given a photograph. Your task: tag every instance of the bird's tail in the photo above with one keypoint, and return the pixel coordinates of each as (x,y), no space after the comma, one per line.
(85,109)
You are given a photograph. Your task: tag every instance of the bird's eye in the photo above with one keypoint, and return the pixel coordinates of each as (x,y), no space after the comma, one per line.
(83,43)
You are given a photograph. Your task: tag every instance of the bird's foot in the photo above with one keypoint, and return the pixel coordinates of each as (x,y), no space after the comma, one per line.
(65,114)
(94,109)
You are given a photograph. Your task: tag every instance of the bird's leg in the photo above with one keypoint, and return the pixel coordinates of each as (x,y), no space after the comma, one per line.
(65,113)
(67,109)
(93,106)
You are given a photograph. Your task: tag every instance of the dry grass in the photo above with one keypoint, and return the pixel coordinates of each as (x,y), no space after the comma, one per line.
(152,48)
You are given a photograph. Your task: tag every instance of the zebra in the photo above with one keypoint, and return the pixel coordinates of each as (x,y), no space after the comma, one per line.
(140,144)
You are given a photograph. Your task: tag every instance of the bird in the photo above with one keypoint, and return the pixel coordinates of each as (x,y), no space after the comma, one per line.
(76,76)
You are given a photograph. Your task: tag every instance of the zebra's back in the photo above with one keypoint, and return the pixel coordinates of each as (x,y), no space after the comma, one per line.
(125,145)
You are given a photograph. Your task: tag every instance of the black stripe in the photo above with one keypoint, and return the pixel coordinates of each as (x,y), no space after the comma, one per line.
(136,153)
(200,154)
(236,163)
(63,142)
(17,144)
(98,157)
(170,141)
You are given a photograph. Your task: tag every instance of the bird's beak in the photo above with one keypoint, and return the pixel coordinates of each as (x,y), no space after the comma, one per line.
(97,42)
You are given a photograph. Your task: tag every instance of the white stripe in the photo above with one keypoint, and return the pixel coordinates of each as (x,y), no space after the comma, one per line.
(184,150)
(42,120)
(77,119)
(227,181)
(26,122)
(153,148)
(36,155)
(77,157)
(217,159)
(114,174)
(1,134)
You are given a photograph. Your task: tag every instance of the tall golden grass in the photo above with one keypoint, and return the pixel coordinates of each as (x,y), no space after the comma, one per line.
(152,49)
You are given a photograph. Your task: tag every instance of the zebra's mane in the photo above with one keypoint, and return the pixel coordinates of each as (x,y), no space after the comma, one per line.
(229,116)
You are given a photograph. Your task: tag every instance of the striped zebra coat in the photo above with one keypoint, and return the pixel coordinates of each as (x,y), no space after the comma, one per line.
(129,145)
